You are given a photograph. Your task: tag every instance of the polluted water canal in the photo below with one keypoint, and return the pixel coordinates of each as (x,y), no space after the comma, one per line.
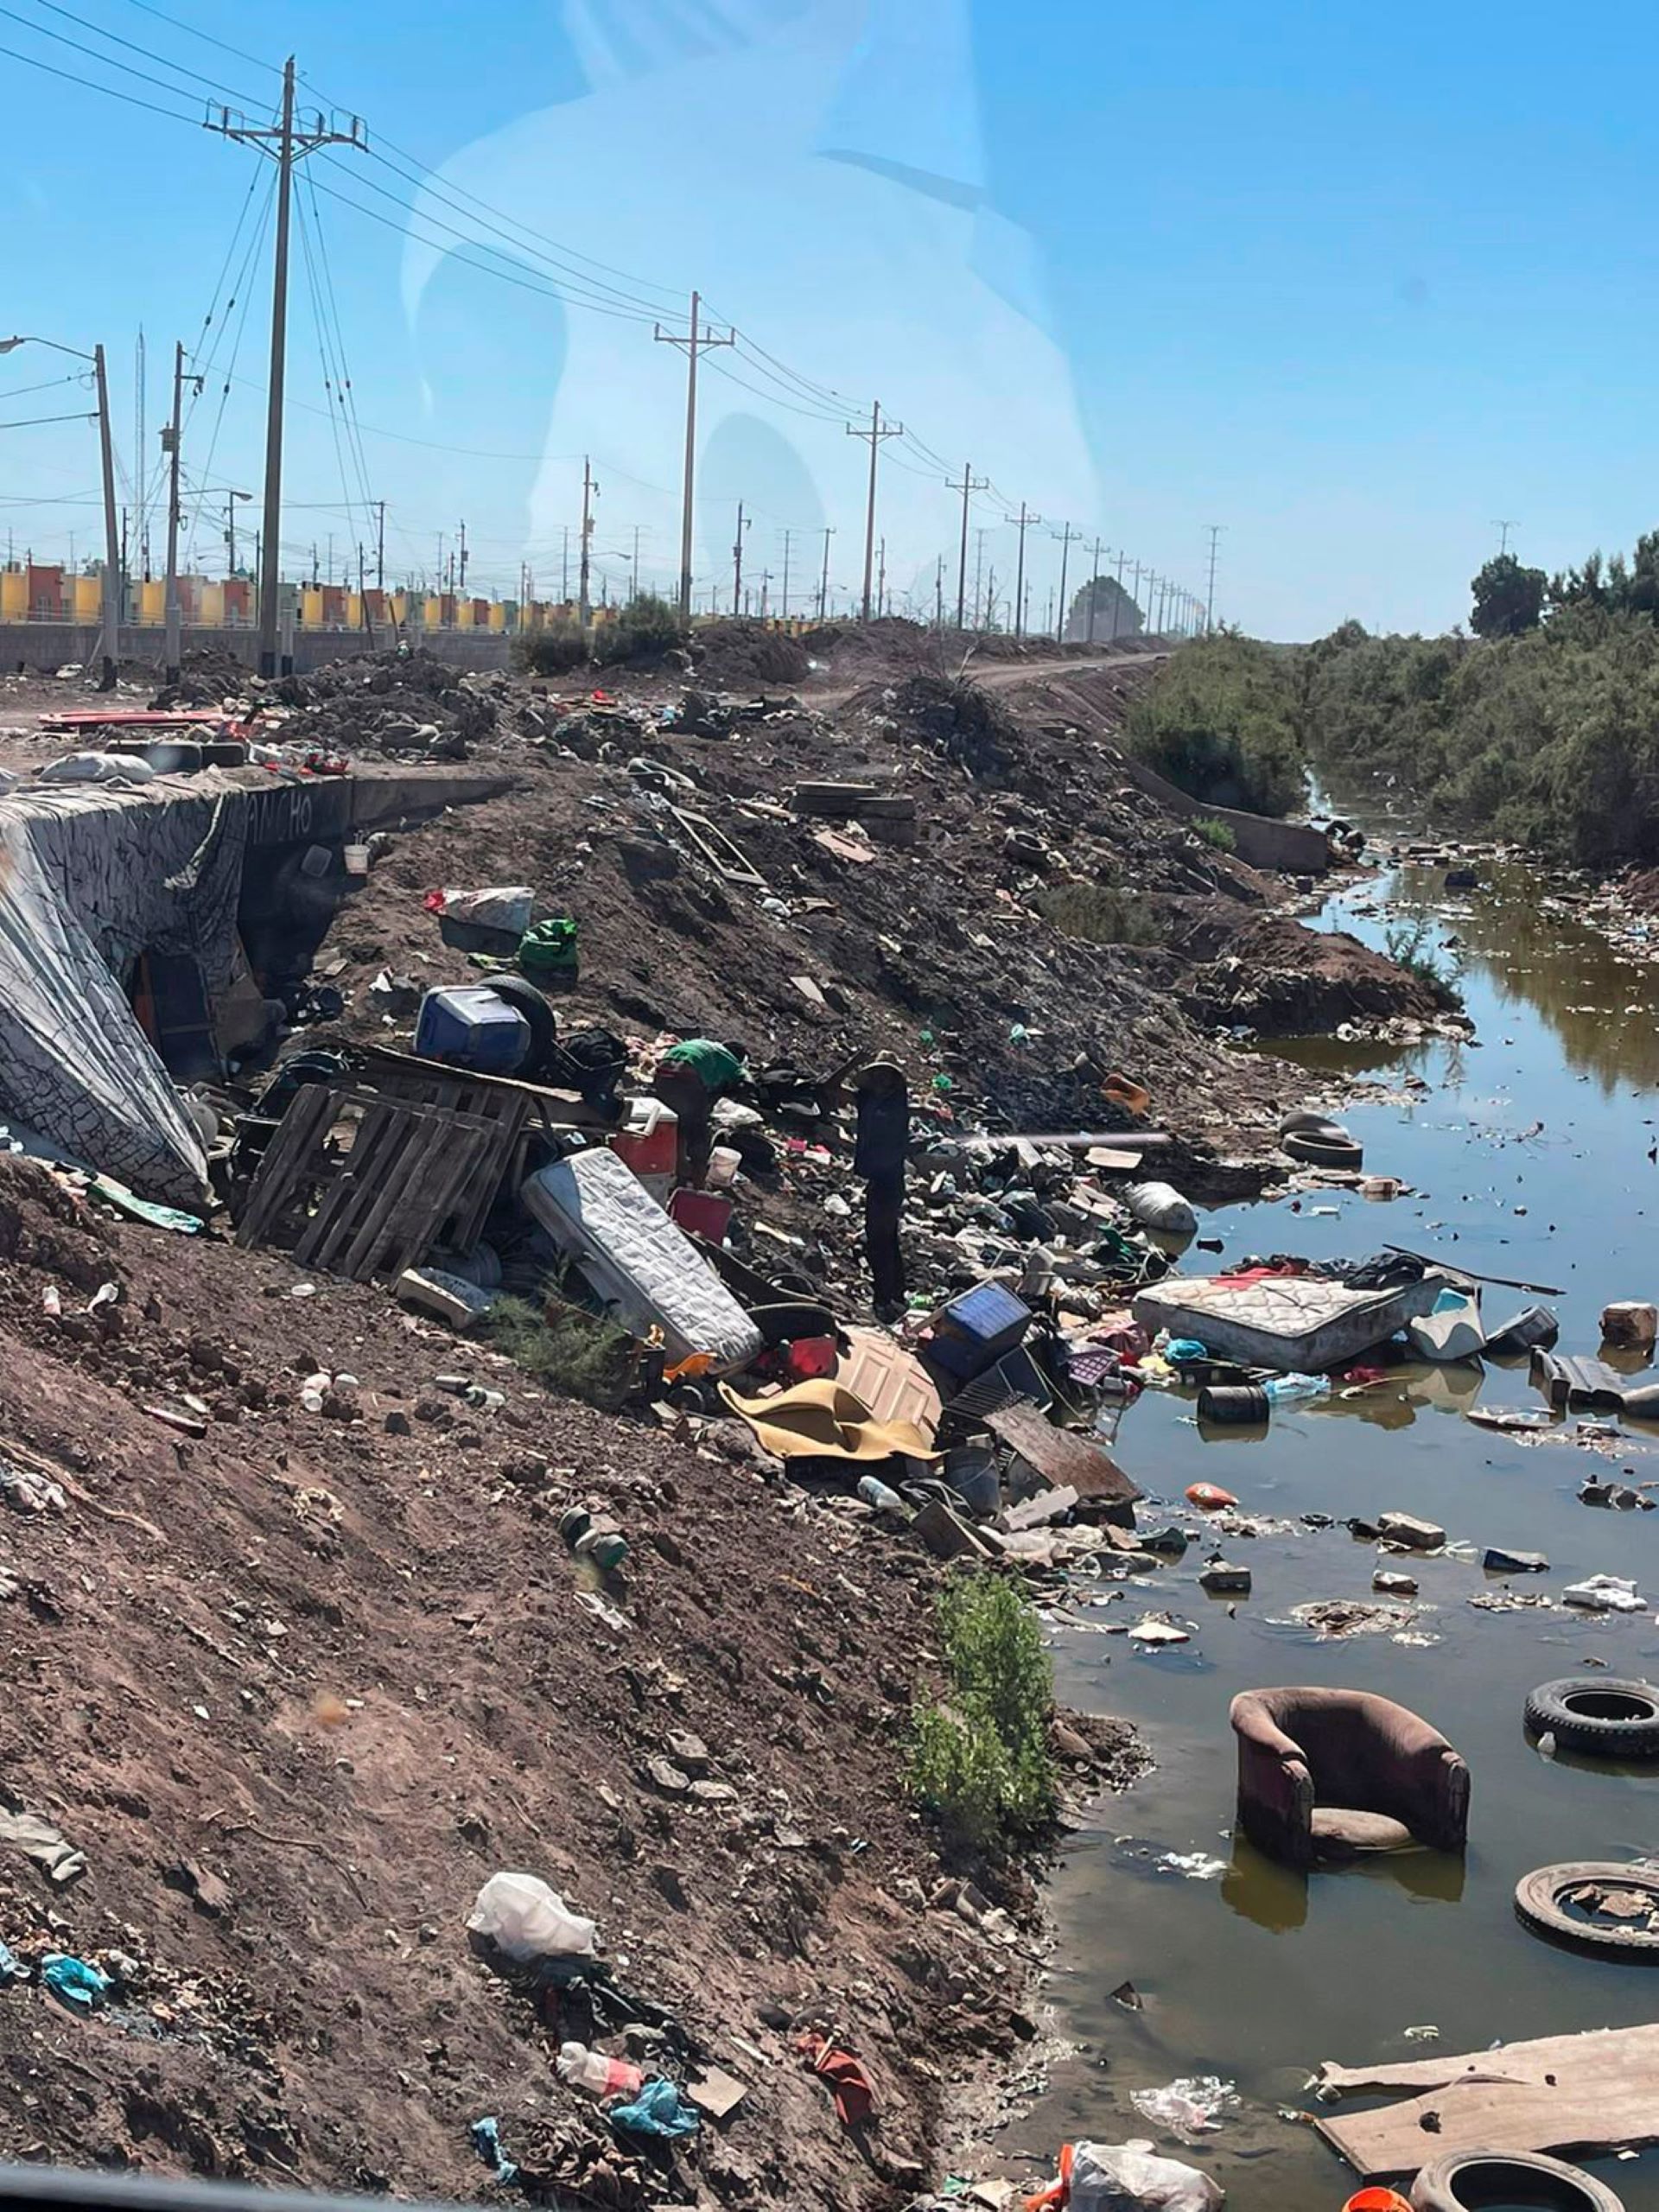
(1528,1155)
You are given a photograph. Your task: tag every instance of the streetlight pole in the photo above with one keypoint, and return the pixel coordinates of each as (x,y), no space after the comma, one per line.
(114,587)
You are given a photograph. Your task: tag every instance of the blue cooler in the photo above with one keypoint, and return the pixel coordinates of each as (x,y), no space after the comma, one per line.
(469,1026)
(974,1330)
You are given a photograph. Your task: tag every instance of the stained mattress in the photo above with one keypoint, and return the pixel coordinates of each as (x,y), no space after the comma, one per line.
(1299,1323)
(647,1271)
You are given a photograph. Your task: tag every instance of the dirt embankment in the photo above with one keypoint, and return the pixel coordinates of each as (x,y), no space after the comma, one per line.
(1287,980)
(298,1686)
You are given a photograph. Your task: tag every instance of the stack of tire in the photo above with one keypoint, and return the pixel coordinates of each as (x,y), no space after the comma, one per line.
(1318,1142)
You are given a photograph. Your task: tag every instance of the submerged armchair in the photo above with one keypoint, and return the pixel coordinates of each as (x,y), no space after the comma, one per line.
(1327,1774)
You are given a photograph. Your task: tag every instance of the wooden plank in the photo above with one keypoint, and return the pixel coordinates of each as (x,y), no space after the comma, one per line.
(1583,2093)
(414,1228)
(1062,1456)
(566,1109)
(342,1174)
(284,1160)
(505,1118)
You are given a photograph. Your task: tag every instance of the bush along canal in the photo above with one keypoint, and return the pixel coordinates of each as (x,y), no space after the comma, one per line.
(1527,1153)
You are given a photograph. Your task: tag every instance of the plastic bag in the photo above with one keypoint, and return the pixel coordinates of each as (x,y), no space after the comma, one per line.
(1160,1205)
(1106,2177)
(502,906)
(1190,2108)
(526,1919)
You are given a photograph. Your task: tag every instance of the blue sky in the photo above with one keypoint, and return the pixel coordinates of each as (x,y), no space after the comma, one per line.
(1353,284)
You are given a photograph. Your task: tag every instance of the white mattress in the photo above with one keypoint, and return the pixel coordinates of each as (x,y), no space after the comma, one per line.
(1289,1321)
(643,1267)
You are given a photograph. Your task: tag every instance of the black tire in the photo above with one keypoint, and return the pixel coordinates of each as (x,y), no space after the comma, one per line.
(1323,1148)
(523,997)
(1609,1719)
(1306,1122)
(1466,2181)
(1538,1903)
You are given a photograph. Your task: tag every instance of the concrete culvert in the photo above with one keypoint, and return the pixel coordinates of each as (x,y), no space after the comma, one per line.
(1606,1718)
(1494,2181)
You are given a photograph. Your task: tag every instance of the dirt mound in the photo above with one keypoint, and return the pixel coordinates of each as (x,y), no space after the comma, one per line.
(738,652)
(1285,980)
(413,705)
(207,677)
(298,1683)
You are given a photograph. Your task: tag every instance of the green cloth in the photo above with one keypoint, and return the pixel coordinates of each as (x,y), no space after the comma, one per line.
(719,1069)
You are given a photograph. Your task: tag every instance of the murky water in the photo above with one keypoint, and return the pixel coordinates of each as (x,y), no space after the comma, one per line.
(1529,1151)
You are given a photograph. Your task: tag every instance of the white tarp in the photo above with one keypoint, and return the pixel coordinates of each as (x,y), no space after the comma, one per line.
(89,880)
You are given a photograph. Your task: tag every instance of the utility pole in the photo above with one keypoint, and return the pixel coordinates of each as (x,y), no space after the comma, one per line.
(938,595)
(1500,522)
(1066,555)
(882,582)
(174,613)
(1026,521)
(634,590)
(979,578)
(1215,528)
(112,582)
(1117,596)
(584,610)
(788,534)
(699,341)
(1094,592)
(463,557)
(290,146)
(876,432)
(823,587)
(380,545)
(968,486)
(737,562)
(139,375)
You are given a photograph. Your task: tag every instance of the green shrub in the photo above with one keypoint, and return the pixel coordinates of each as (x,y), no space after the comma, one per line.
(552,649)
(1100,913)
(981,1762)
(1411,946)
(570,1352)
(647,628)
(1219,721)
(1217,835)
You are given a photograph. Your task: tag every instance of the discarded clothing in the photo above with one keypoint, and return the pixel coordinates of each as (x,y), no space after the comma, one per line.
(38,1840)
(659,2109)
(75,1982)
(850,2086)
(487,2141)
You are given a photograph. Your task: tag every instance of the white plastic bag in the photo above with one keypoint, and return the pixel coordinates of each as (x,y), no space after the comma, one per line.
(503,907)
(1190,2108)
(1160,1205)
(526,1919)
(1106,2177)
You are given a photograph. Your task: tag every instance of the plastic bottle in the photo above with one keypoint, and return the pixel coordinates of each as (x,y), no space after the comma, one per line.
(877,1494)
(1284,1389)
(601,2076)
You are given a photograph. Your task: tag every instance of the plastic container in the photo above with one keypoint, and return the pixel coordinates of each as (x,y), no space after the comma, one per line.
(526,1919)
(1235,1405)
(601,2076)
(705,1213)
(876,1493)
(723,1163)
(357,860)
(973,1332)
(648,1141)
(971,1470)
(471,1027)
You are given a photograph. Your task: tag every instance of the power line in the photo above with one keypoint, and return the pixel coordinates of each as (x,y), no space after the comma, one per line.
(192,30)
(87,84)
(113,38)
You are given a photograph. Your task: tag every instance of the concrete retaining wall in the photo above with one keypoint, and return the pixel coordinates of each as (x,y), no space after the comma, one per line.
(1287,847)
(49,645)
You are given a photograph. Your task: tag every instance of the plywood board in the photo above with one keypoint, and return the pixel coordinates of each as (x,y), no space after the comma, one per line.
(1062,1456)
(891,1381)
(1581,2093)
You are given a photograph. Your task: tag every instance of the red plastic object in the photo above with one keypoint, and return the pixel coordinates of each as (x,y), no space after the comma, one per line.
(703,1212)
(806,1359)
(1210,1498)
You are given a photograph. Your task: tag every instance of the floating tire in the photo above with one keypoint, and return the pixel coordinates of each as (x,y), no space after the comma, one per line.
(522,996)
(1469,2180)
(1327,1147)
(1544,1903)
(1306,1121)
(1607,1719)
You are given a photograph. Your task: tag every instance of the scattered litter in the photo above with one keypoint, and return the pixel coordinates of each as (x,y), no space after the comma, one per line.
(526,1919)
(1196,1866)
(1604,1593)
(1188,2108)
(74,1982)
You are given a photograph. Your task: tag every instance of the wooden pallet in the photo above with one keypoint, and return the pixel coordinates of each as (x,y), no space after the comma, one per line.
(378,1205)
(505,1111)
